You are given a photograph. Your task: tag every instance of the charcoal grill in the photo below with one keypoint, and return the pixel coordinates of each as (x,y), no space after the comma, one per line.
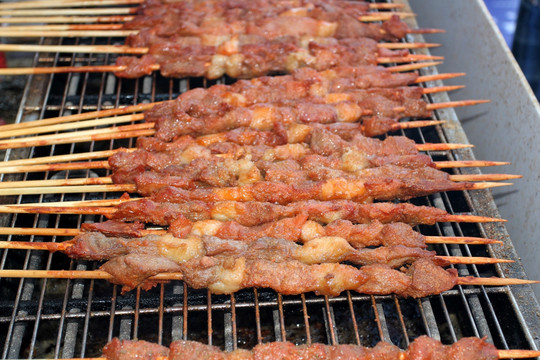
(59,318)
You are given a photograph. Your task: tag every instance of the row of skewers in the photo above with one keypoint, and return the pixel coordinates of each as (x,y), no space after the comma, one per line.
(238,174)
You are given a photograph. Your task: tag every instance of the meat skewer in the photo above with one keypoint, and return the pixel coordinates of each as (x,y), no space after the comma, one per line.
(423,278)
(238,65)
(248,214)
(125,209)
(297,228)
(338,188)
(96,246)
(108,180)
(89,3)
(105,165)
(123,49)
(422,347)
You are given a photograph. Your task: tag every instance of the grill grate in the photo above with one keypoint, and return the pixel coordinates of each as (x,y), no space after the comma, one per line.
(42,318)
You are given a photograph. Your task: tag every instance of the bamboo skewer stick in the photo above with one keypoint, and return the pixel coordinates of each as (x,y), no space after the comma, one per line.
(72,204)
(416,124)
(68,34)
(400,59)
(120,132)
(468,163)
(33,231)
(65,3)
(442,146)
(73,125)
(456,240)
(435,77)
(62,158)
(407,45)
(62,70)
(484,177)
(518,354)
(382,16)
(465,240)
(407,67)
(91,12)
(106,180)
(63,27)
(467,260)
(45,139)
(69,189)
(82,116)
(433,90)
(75,49)
(67,19)
(55,167)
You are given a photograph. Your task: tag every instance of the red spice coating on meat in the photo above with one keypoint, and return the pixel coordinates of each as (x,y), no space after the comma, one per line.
(425,348)
(133,350)
(422,348)
(428,278)
(115,228)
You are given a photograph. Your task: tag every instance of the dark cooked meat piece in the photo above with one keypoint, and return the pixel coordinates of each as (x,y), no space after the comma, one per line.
(422,348)
(135,67)
(131,350)
(96,246)
(428,277)
(115,228)
(287,228)
(469,348)
(375,233)
(184,349)
(132,270)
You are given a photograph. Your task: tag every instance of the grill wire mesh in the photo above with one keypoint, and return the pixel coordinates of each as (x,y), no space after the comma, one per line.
(62,318)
